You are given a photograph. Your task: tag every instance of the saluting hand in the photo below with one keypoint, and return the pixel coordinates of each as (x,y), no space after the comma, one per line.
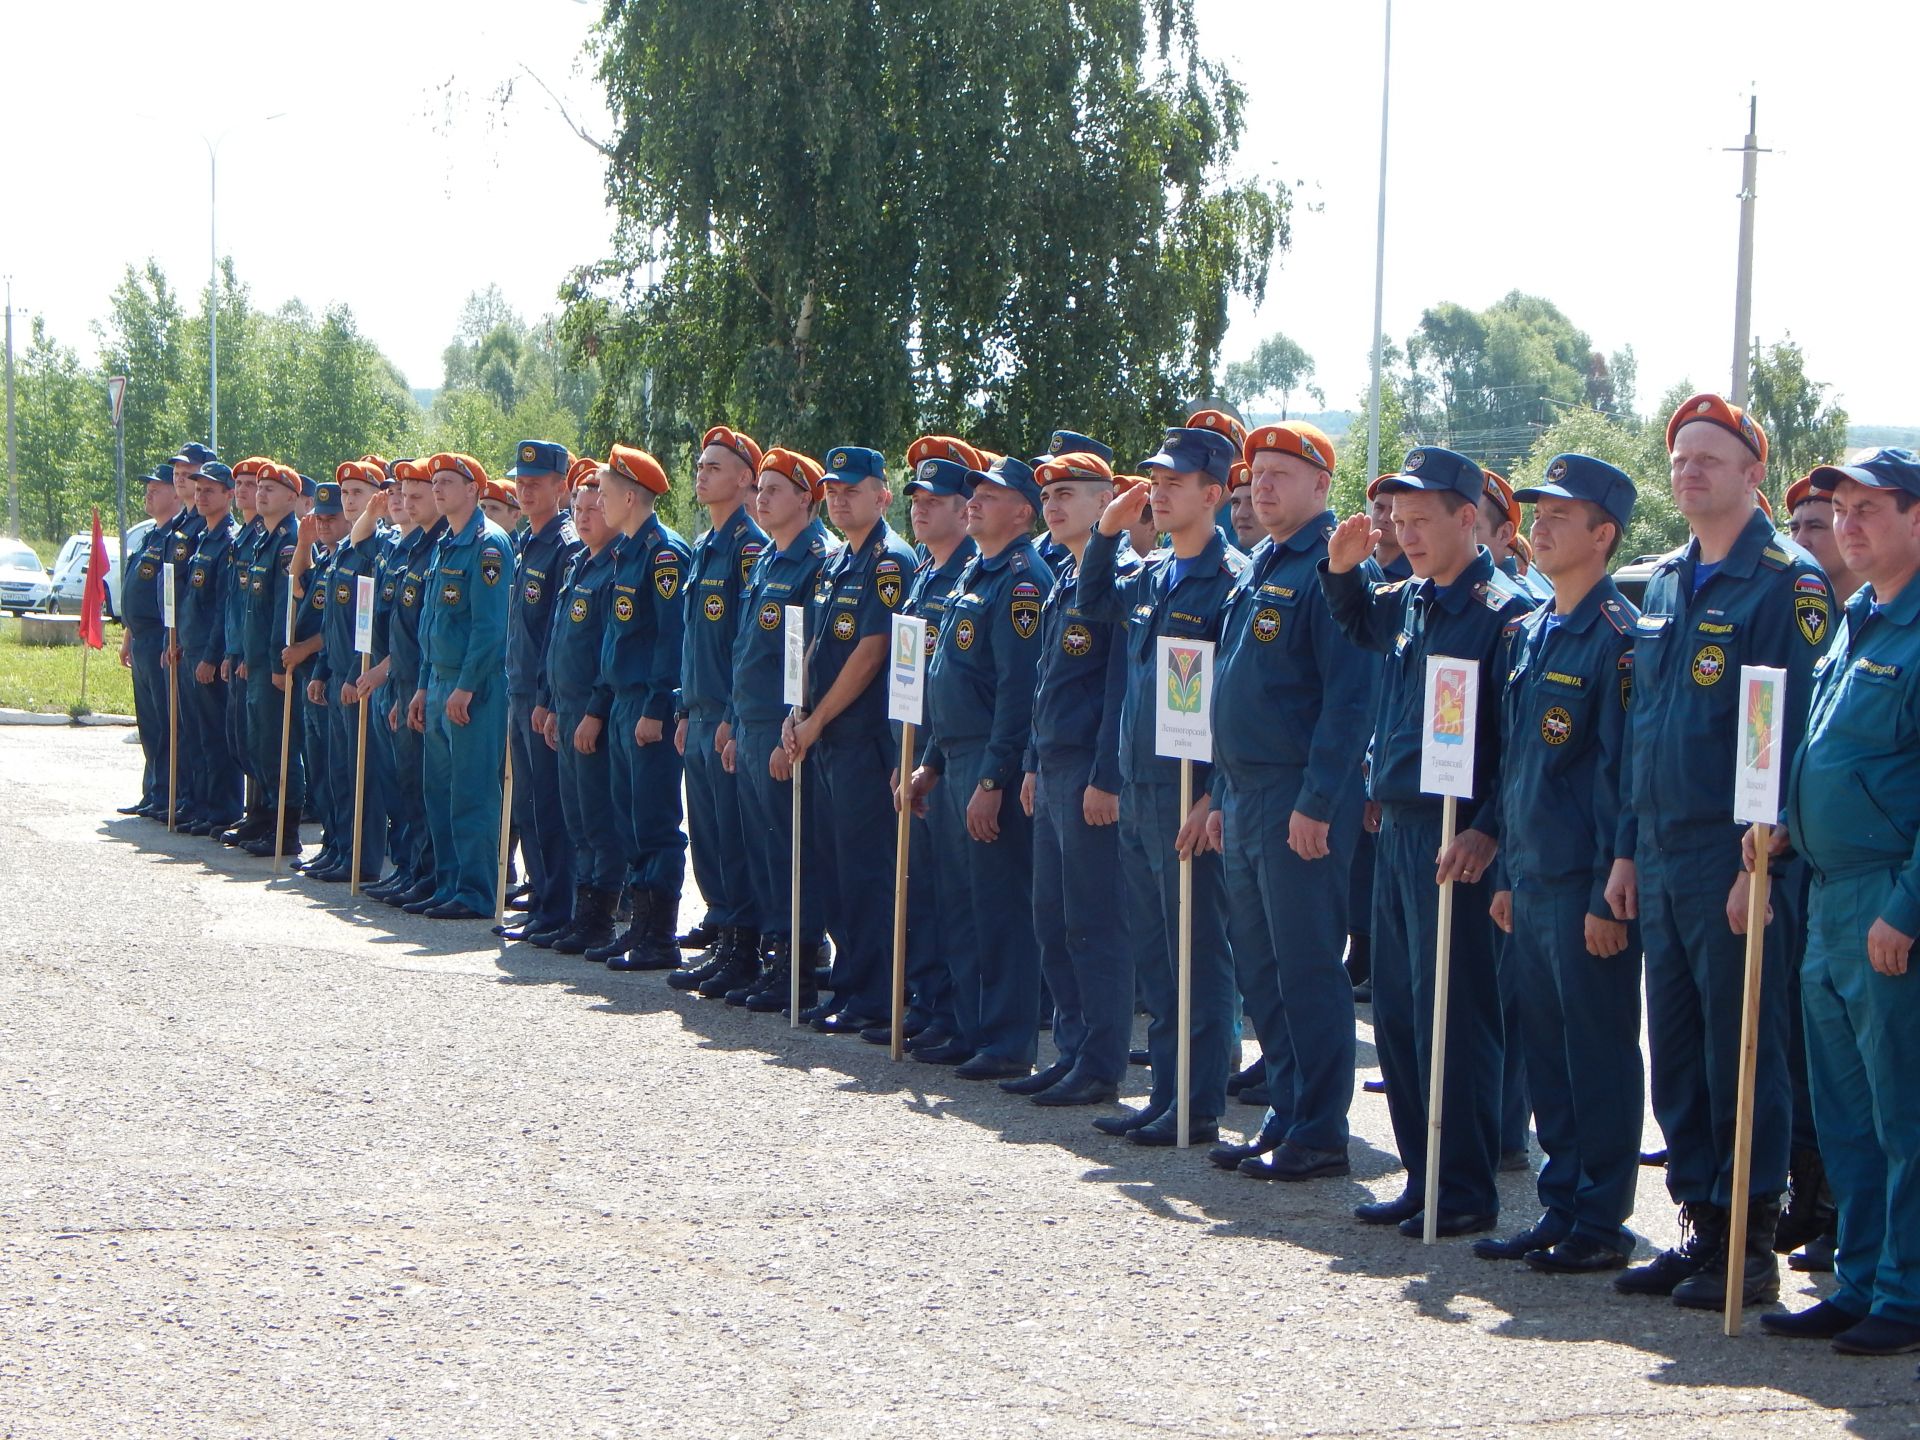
(1127,508)
(1352,541)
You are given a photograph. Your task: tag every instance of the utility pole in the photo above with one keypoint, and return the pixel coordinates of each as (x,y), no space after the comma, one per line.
(1380,256)
(213,299)
(1743,285)
(13,471)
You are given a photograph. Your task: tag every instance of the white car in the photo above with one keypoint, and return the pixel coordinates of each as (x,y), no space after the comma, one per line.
(24,583)
(70,569)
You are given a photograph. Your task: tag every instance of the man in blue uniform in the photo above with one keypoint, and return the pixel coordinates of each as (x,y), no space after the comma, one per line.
(544,548)
(269,594)
(723,480)
(790,487)
(185,531)
(1565,837)
(203,643)
(462,700)
(1853,806)
(1463,607)
(411,563)
(842,730)
(143,645)
(980,688)
(254,820)
(388,511)
(320,532)
(1179,591)
(640,646)
(1290,727)
(1736,594)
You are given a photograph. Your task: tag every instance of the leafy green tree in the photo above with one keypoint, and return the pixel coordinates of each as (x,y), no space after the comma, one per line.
(845,220)
(1350,478)
(1277,368)
(142,340)
(1804,428)
(1637,447)
(63,435)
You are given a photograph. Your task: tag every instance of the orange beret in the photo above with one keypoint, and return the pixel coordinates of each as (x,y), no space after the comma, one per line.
(1765,504)
(411,470)
(1501,493)
(945,447)
(1293,437)
(492,491)
(1123,483)
(738,441)
(379,460)
(359,470)
(280,474)
(463,465)
(1373,485)
(1801,489)
(250,466)
(581,468)
(639,467)
(1238,474)
(1074,465)
(803,470)
(1716,411)
(510,493)
(1221,421)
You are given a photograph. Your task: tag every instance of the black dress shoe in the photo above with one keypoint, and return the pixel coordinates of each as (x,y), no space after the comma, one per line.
(1127,1121)
(1820,1322)
(1165,1130)
(1038,1080)
(819,1010)
(1815,1257)
(1388,1212)
(846,1022)
(1449,1224)
(1079,1092)
(992,1067)
(1577,1255)
(1543,1234)
(453,910)
(1363,993)
(1877,1335)
(1297,1162)
(1374,1087)
(881,1034)
(1240,1079)
(1255,1094)
(421,907)
(1512,1162)
(1139,1057)
(931,1038)
(1653,1157)
(338,874)
(139,807)
(1228,1157)
(951,1053)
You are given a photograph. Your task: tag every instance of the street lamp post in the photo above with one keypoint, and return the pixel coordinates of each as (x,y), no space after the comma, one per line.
(213,145)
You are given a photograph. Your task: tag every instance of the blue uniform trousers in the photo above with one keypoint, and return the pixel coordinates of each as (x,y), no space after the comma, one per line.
(938,917)
(1863,1032)
(996,980)
(1516,1107)
(1792,883)
(1406,905)
(1078,916)
(460,782)
(343,749)
(239,744)
(539,813)
(714,829)
(219,783)
(414,854)
(1288,921)
(1696,977)
(587,805)
(1150,871)
(323,784)
(766,823)
(646,792)
(857,826)
(150,710)
(266,712)
(1580,1029)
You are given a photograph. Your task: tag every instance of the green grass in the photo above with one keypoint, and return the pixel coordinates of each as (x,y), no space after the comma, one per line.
(34,677)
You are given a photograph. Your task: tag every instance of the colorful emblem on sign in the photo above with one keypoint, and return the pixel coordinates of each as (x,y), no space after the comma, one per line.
(1450,706)
(1709,665)
(1183,680)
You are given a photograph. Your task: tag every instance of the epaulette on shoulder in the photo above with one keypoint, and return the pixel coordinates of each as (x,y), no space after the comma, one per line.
(1617,615)
(1234,562)
(1774,558)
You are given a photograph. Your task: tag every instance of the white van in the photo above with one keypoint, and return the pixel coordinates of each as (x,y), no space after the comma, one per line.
(70,569)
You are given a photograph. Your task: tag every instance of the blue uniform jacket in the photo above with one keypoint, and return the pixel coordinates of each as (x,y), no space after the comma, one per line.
(716,581)
(239,582)
(1408,620)
(1291,693)
(463,631)
(1563,717)
(412,563)
(570,674)
(203,605)
(1152,604)
(388,570)
(645,624)
(1082,680)
(310,615)
(267,589)
(338,659)
(1767,604)
(779,578)
(1853,792)
(544,558)
(980,686)
(855,598)
(140,595)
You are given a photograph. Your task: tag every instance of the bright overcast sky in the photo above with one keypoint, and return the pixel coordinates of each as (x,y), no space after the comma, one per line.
(1573,151)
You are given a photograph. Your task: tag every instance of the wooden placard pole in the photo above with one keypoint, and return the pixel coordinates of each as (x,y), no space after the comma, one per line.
(1183,1066)
(359,780)
(902,842)
(506,836)
(286,735)
(1442,980)
(173,731)
(1749,1060)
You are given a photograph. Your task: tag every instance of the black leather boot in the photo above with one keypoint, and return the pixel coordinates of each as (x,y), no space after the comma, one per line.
(708,963)
(624,941)
(741,966)
(1703,1244)
(593,928)
(1760,1267)
(656,947)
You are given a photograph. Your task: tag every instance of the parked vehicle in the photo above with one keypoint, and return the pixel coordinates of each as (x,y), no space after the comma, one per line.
(70,570)
(24,582)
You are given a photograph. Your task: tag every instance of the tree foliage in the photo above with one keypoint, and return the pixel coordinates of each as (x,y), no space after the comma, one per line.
(1803,427)
(848,220)
(1277,368)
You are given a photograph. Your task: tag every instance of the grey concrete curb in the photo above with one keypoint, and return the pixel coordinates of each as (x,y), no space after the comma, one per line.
(34,717)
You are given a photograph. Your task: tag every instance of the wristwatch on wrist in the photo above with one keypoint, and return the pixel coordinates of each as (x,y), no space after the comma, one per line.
(989,783)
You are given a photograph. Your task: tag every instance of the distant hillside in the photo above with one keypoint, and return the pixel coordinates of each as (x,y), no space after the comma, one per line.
(1872,436)
(424,398)
(1334,422)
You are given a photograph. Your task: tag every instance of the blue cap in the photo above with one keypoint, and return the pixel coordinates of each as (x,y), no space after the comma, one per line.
(1069,442)
(1011,474)
(1581,477)
(326,498)
(198,454)
(539,457)
(162,474)
(850,464)
(1885,469)
(1207,452)
(1436,471)
(307,487)
(940,477)
(213,470)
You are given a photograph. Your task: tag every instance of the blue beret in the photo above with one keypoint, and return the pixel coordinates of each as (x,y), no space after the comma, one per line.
(1885,469)
(1012,474)
(539,457)
(850,464)
(940,477)
(1581,477)
(306,486)
(326,498)
(1436,471)
(1069,442)
(1205,452)
(218,473)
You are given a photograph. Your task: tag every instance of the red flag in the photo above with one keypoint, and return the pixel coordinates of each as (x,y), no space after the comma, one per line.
(93,628)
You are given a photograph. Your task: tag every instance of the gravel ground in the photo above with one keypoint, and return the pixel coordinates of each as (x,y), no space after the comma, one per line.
(276,1165)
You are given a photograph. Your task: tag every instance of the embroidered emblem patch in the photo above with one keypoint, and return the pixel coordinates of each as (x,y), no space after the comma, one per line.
(933,639)
(843,625)
(199,577)
(450,593)
(532,592)
(1556,726)
(146,569)
(1810,614)
(577,611)
(963,634)
(749,553)
(886,582)
(714,607)
(1077,640)
(1025,609)
(1709,665)
(623,608)
(490,566)
(408,595)
(342,593)
(666,579)
(770,616)
(1266,626)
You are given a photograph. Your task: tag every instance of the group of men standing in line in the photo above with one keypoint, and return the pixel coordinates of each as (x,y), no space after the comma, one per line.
(613,667)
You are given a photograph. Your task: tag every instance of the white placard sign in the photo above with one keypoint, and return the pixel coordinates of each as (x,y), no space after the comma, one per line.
(796,638)
(1761,734)
(1450,716)
(1183,698)
(166,594)
(363,615)
(907,671)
